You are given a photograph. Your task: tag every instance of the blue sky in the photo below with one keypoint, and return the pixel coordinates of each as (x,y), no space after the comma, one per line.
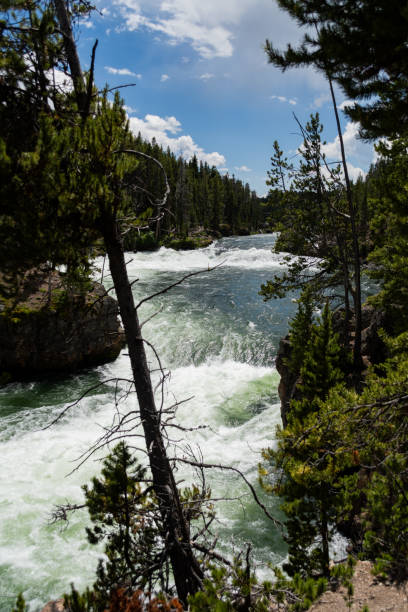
(203,84)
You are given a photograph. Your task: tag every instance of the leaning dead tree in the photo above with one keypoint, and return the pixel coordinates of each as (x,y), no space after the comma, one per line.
(186,569)
(108,157)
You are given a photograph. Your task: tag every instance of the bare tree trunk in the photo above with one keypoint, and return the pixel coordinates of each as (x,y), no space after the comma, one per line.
(356,251)
(187,572)
(324,534)
(72,54)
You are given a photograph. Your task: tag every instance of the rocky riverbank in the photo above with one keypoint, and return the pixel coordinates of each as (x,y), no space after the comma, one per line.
(52,330)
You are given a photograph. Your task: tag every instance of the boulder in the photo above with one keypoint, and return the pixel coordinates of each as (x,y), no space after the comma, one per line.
(58,332)
(54,606)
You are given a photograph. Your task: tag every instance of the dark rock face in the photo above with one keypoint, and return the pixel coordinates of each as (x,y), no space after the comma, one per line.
(373,352)
(81,331)
(287,383)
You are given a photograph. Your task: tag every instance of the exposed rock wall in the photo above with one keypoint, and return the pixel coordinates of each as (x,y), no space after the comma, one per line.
(70,332)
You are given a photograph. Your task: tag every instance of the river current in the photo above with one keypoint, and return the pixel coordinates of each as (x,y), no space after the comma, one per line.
(219,340)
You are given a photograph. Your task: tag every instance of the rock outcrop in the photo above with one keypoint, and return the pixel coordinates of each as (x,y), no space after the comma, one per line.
(58,331)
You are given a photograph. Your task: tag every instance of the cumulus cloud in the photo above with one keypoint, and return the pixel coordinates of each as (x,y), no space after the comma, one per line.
(164,78)
(319,101)
(122,72)
(60,80)
(345,104)
(207,26)
(356,149)
(130,110)
(163,128)
(206,76)
(243,168)
(332,149)
(284,99)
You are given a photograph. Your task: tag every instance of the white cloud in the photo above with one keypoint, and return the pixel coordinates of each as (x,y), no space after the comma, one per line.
(358,151)
(243,168)
(344,104)
(122,72)
(206,76)
(321,100)
(153,126)
(355,172)
(60,79)
(130,110)
(284,99)
(164,78)
(350,134)
(207,26)
(88,24)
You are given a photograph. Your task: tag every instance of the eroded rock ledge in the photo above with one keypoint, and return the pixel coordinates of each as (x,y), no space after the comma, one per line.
(53,331)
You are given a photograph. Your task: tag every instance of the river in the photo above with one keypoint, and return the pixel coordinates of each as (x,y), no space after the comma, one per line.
(219,339)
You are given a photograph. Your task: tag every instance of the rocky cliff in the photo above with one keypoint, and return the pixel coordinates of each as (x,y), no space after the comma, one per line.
(53,330)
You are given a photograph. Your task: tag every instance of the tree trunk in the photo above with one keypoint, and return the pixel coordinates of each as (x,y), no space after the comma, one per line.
(357,363)
(324,534)
(72,54)
(186,570)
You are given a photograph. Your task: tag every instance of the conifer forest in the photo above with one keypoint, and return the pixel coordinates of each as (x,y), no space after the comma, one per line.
(203,391)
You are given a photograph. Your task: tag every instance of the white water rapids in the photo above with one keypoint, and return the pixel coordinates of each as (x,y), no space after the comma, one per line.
(219,339)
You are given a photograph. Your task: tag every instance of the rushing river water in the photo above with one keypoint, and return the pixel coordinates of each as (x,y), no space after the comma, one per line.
(219,339)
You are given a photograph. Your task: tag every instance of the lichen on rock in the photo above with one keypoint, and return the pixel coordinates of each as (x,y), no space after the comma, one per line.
(55,330)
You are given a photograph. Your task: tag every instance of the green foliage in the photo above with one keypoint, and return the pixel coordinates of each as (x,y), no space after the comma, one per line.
(279,168)
(314,230)
(20,605)
(348,456)
(389,228)
(140,241)
(321,367)
(89,601)
(126,519)
(306,470)
(299,331)
(297,593)
(372,68)
(230,588)
(344,572)
(123,517)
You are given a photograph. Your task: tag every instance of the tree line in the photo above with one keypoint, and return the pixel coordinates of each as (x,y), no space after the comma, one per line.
(200,198)
(74,176)
(342,452)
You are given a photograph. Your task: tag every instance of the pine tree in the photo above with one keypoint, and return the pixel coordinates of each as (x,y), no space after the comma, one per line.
(123,512)
(389,231)
(307,481)
(372,67)
(299,331)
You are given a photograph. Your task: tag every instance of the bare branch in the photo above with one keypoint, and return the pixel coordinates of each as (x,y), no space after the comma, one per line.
(216,466)
(150,297)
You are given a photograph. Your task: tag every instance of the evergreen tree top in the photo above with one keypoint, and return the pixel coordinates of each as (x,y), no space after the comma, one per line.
(361,45)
